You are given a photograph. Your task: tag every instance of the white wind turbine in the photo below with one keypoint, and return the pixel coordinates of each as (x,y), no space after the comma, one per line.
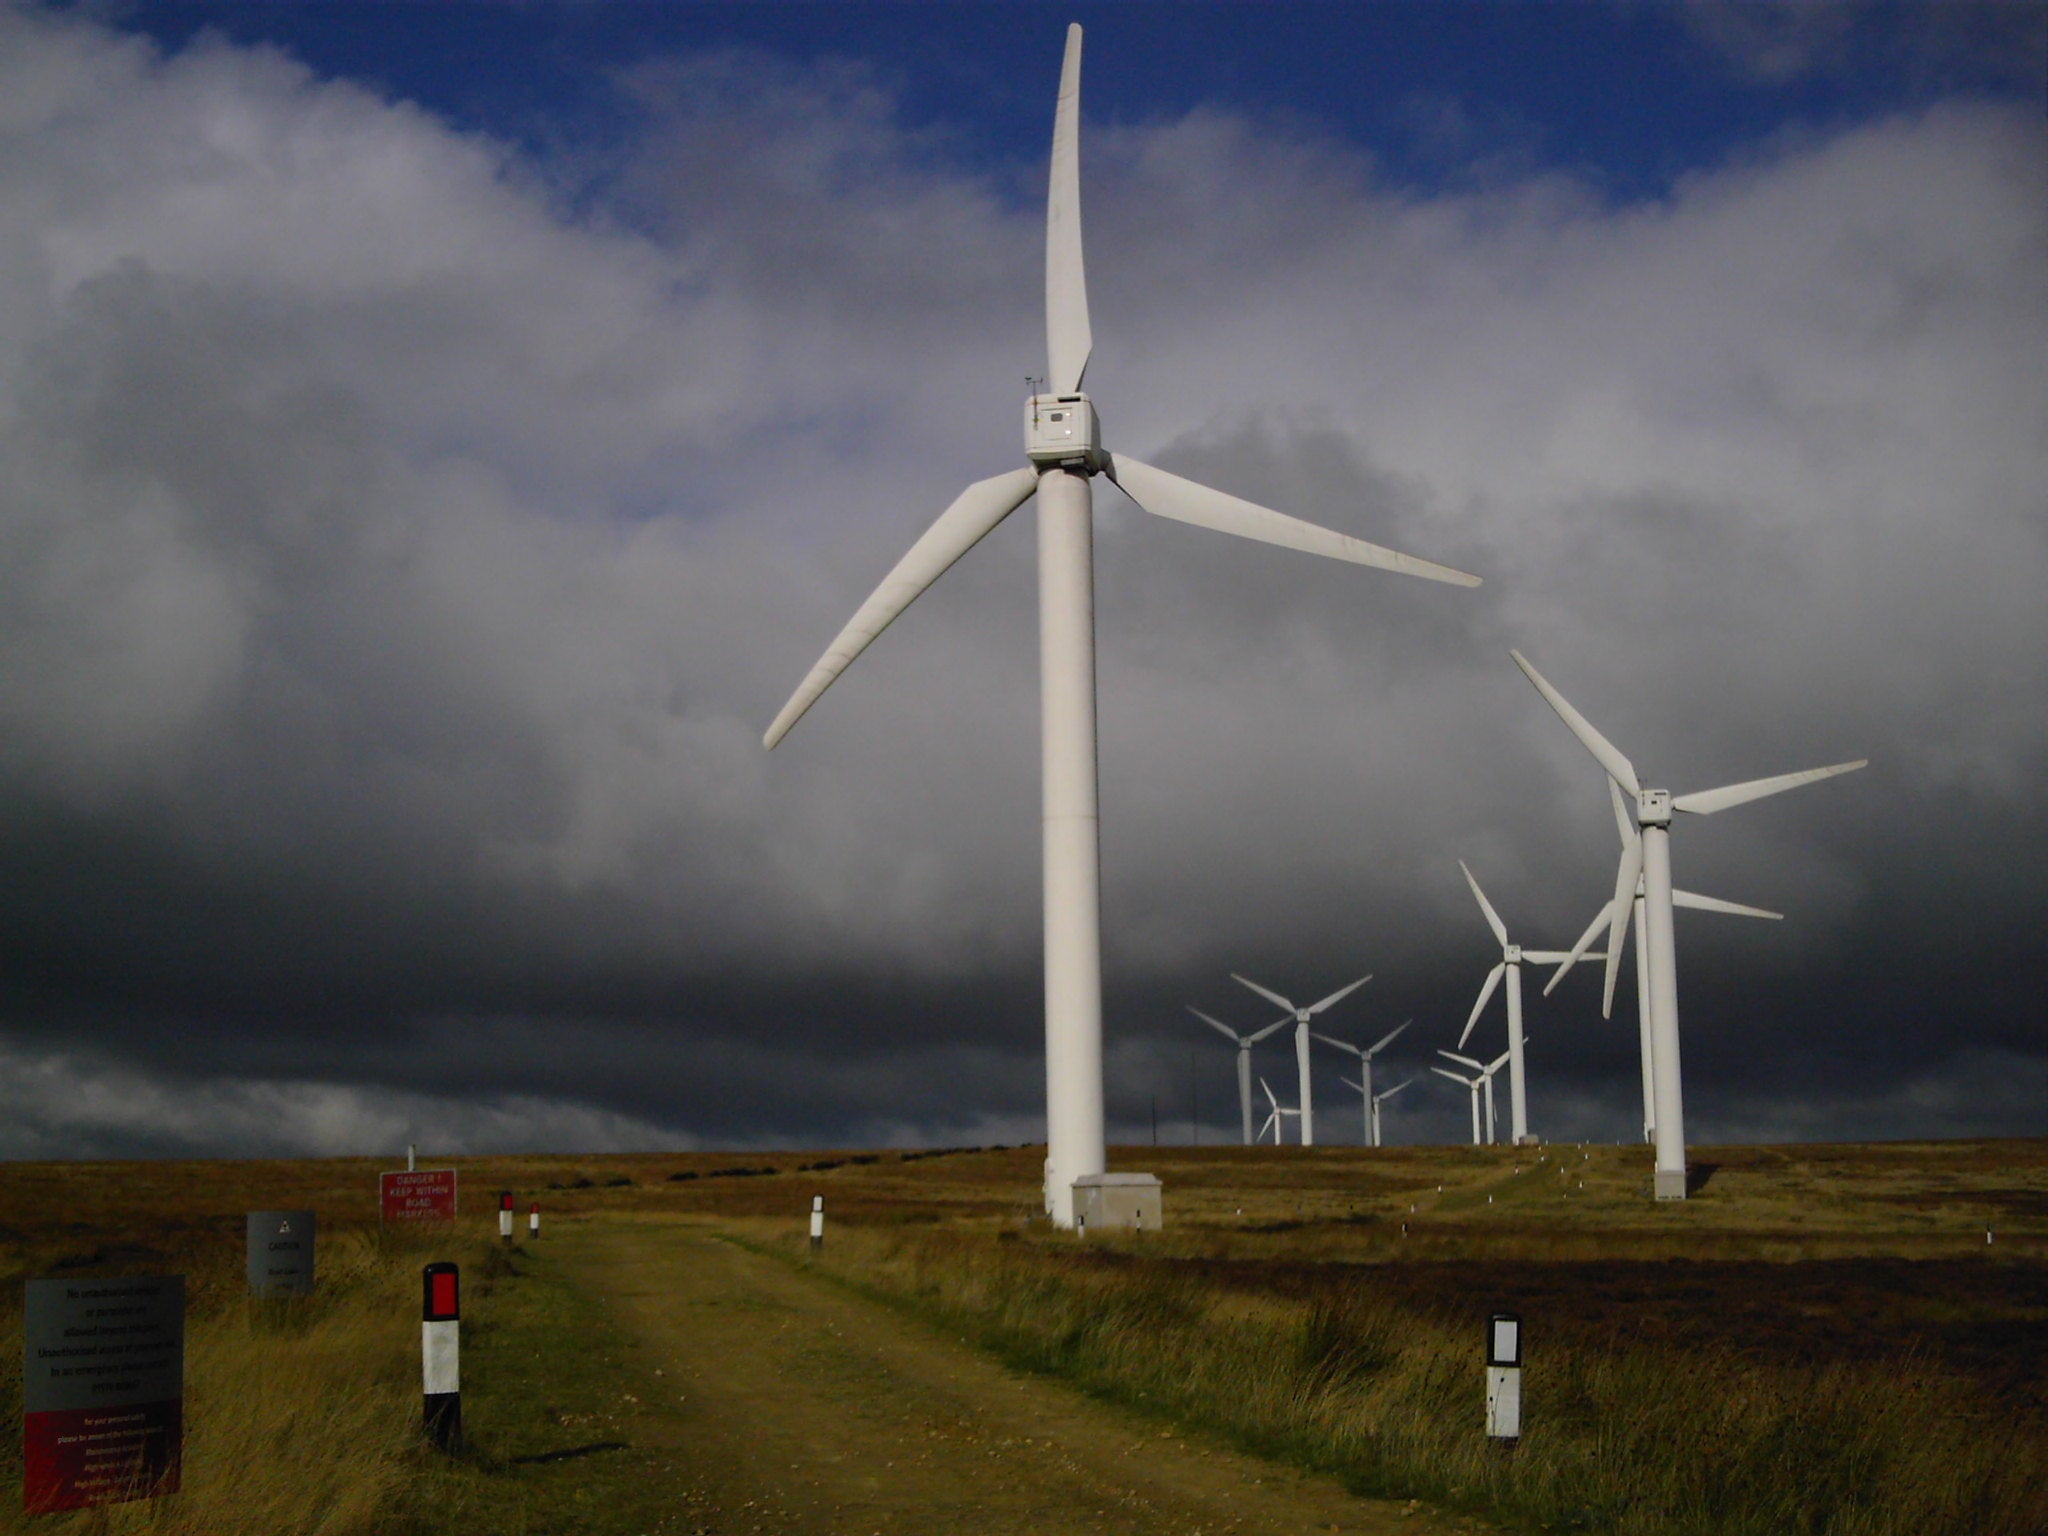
(1486,1071)
(1276,1121)
(1301,1016)
(1364,1068)
(1244,1062)
(1369,1103)
(1473,1084)
(1631,854)
(1510,966)
(1063,447)
(1648,861)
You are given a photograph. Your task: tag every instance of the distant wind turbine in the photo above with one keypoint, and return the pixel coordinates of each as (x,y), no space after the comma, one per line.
(1244,1062)
(1301,1017)
(1365,1057)
(1275,1122)
(1510,966)
(1369,1103)
(1063,447)
(1486,1070)
(1649,861)
(1473,1085)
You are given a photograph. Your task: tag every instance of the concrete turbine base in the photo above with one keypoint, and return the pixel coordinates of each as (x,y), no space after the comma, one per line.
(1670,1183)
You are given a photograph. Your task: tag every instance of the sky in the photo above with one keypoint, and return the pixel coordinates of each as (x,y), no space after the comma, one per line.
(436,438)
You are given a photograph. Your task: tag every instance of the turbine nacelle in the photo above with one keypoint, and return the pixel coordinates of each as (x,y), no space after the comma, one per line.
(1653,808)
(1063,432)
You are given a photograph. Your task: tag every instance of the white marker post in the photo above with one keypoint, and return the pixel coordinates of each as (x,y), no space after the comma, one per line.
(533,1220)
(1504,1379)
(817,1222)
(441,1354)
(505,1215)
(412,1157)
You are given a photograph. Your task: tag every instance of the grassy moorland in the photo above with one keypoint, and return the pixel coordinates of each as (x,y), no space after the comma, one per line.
(1820,1341)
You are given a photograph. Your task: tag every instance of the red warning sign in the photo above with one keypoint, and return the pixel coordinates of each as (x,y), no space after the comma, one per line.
(428,1195)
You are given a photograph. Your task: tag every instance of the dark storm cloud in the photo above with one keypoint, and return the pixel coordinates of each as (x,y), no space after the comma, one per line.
(399,559)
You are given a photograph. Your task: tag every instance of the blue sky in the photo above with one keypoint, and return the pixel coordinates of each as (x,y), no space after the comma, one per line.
(435,439)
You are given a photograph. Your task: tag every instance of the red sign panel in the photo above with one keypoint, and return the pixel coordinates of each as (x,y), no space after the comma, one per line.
(428,1195)
(78,1457)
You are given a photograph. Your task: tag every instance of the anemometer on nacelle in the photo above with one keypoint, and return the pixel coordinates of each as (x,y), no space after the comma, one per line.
(1062,431)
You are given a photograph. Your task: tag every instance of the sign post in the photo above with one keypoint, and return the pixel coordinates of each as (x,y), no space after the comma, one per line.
(424,1195)
(103,1390)
(817,1222)
(281,1253)
(505,1214)
(441,1353)
(533,1220)
(1504,1379)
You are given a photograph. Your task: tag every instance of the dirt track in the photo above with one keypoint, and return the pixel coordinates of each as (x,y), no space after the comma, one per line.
(805,1409)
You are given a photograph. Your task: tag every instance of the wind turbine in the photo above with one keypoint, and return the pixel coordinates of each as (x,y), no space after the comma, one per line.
(1648,861)
(1301,1017)
(1364,1067)
(1486,1071)
(1275,1122)
(1369,1103)
(1471,1083)
(1063,449)
(1631,839)
(1509,965)
(1244,1062)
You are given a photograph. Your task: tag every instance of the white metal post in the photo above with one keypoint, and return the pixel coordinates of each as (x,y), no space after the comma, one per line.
(1073,871)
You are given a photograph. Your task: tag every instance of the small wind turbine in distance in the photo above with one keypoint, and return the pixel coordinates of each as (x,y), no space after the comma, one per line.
(1369,1104)
(1274,1121)
(1509,965)
(1063,449)
(1301,1016)
(1649,860)
(1486,1071)
(1364,1066)
(1472,1084)
(1244,1062)
(1631,855)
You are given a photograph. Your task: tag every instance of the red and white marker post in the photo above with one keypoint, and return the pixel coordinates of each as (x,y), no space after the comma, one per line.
(441,1353)
(505,1215)
(817,1222)
(533,1220)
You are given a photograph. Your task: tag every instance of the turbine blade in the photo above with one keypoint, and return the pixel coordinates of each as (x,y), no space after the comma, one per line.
(1393,1090)
(1068,340)
(1259,1035)
(974,512)
(1500,929)
(1493,977)
(1626,875)
(1547,957)
(1272,997)
(1707,801)
(1624,823)
(1269,1095)
(1467,1060)
(1388,1038)
(1700,903)
(1217,1024)
(1605,752)
(1339,995)
(1462,1082)
(1593,931)
(1346,1082)
(1498,1062)
(1166,495)
(1342,1045)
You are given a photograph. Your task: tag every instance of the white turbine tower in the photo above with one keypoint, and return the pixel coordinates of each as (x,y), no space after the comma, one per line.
(1063,447)
(1486,1070)
(1510,966)
(1301,1016)
(1276,1121)
(1631,840)
(1648,861)
(1473,1084)
(1244,1062)
(1364,1066)
(1369,1104)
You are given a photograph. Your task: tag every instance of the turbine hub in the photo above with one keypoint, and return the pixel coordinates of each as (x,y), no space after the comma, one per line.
(1512,954)
(1062,432)
(1653,808)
